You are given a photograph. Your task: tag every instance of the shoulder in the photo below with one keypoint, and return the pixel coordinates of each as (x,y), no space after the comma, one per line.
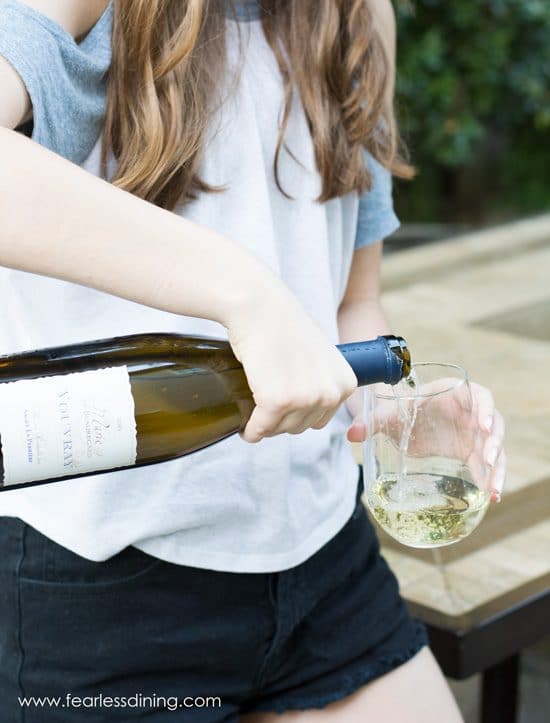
(75,16)
(51,75)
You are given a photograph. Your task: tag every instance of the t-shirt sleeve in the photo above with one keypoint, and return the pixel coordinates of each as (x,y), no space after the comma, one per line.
(66,81)
(376,219)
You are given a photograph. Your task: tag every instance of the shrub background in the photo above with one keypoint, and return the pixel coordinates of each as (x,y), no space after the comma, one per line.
(473,99)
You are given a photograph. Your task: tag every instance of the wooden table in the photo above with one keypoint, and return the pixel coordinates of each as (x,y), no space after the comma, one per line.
(485,599)
(483,301)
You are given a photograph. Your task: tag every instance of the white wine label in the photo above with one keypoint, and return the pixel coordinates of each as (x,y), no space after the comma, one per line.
(66,425)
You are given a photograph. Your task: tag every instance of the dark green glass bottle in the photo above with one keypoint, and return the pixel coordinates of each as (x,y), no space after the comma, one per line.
(114,403)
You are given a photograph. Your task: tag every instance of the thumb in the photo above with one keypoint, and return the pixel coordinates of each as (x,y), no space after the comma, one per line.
(357,431)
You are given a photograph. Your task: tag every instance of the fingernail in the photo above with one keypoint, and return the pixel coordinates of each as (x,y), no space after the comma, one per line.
(488,423)
(495,495)
(492,456)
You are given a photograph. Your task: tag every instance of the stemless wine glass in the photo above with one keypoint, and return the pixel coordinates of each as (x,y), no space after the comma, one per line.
(425,478)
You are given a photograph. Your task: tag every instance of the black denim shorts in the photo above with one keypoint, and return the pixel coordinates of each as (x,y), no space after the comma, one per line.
(138,638)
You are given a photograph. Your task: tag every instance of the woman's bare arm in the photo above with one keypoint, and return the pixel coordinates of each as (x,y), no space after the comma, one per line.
(360,316)
(61,221)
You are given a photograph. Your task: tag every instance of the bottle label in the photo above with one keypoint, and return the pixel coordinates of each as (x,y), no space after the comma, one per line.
(67,424)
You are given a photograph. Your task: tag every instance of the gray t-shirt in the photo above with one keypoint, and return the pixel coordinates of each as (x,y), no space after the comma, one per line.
(233,506)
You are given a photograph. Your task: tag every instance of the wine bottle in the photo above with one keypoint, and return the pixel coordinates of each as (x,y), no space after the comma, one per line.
(103,405)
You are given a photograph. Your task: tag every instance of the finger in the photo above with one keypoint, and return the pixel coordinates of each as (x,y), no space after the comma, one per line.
(294,422)
(498,427)
(260,424)
(322,421)
(357,432)
(355,402)
(479,472)
(485,406)
(498,477)
(298,421)
(493,443)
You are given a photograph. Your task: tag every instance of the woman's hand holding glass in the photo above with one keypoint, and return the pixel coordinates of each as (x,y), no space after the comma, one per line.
(480,430)
(432,454)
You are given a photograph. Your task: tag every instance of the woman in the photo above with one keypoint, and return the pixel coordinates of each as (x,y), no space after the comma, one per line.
(246,151)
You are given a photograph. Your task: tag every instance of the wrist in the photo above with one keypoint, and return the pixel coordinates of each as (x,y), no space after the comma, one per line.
(257,294)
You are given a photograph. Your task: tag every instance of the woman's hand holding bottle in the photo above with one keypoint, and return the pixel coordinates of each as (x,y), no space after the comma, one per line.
(297,376)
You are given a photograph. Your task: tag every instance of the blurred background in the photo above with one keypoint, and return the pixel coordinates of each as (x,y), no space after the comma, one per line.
(473,98)
(467,280)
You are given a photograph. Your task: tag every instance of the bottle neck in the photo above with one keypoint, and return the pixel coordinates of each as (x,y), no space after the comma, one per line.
(384,359)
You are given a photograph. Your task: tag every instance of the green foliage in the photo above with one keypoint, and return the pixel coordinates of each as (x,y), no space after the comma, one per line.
(473,82)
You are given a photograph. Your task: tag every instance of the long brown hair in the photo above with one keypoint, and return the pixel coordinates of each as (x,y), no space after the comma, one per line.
(166,78)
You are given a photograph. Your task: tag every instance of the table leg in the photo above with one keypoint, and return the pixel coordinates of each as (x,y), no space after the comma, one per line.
(499,696)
